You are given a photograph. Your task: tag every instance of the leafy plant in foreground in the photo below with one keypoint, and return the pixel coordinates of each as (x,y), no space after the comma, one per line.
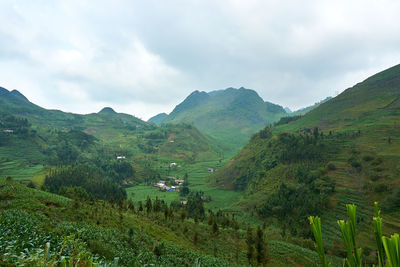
(315,223)
(391,246)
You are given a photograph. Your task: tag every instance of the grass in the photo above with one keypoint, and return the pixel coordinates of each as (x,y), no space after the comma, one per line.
(198,177)
(19,171)
(140,192)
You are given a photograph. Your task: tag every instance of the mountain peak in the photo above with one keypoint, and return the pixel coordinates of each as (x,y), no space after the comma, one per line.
(18,94)
(107,110)
(3,90)
(158,118)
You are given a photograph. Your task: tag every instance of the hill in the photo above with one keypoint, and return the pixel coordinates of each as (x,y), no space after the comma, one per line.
(230,115)
(303,111)
(32,137)
(344,151)
(38,228)
(157,119)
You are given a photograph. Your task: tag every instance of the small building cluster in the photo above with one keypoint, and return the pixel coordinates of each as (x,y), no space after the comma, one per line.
(177,180)
(166,188)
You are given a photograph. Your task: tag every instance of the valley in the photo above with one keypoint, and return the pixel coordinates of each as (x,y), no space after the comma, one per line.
(84,187)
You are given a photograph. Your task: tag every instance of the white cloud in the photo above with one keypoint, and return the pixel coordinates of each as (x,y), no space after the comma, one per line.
(145,57)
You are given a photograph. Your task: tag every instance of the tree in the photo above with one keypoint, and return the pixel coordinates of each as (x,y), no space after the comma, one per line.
(215,228)
(140,209)
(260,246)
(195,238)
(184,191)
(249,242)
(214,234)
(131,206)
(148,205)
(185,179)
(183,215)
(211,218)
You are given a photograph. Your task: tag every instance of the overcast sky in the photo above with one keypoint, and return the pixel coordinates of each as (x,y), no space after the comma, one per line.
(145,57)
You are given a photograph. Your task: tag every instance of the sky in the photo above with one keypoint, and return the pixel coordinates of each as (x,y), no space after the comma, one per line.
(145,57)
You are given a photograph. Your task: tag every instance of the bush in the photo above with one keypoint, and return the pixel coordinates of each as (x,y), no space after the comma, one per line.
(356,164)
(368,158)
(375,177)
(331,167)
(392,202)
(377,161)
(380,187)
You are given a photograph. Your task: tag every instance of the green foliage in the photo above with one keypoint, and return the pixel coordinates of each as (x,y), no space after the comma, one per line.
(392,201)
(231,116)
(315,223)
(377,223)
(348,229)
(87,178)
(285,120)
(391,246)
(392,249)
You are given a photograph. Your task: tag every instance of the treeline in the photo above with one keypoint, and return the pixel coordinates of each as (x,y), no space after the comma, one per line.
(292,203)
(267,151)
(13,126)
(286,120)
(64,148)
(287,175)
(83,181)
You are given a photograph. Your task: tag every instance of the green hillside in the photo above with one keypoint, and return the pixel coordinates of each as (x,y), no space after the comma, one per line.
(230,115)
(157,119)
(303,111)
(40,229)
(346,150)
(33,138)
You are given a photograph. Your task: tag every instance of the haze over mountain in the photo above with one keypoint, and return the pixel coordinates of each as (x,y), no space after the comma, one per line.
(230,115)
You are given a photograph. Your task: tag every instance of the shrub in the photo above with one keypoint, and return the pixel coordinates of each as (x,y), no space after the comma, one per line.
(392,202)
(380,187)
(368,158)
(375,177)
(331,167)
(377,161)
(355,164)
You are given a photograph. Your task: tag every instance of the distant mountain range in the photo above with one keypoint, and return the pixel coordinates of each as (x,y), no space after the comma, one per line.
(230,115)
(121,132)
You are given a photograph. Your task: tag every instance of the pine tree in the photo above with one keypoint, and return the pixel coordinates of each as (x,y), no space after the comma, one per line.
(260,247)
(140,209)
(215,228)
(183,215)
(195,238)
(131,206)
(211,218)
(249,242)
(148,205)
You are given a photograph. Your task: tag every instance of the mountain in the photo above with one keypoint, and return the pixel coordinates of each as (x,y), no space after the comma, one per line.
(303,111)
(288,110)
(346,150)
(157,119)
(32,137)
(230,115)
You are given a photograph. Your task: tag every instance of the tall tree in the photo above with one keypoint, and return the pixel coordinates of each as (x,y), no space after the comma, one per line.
(250,243)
